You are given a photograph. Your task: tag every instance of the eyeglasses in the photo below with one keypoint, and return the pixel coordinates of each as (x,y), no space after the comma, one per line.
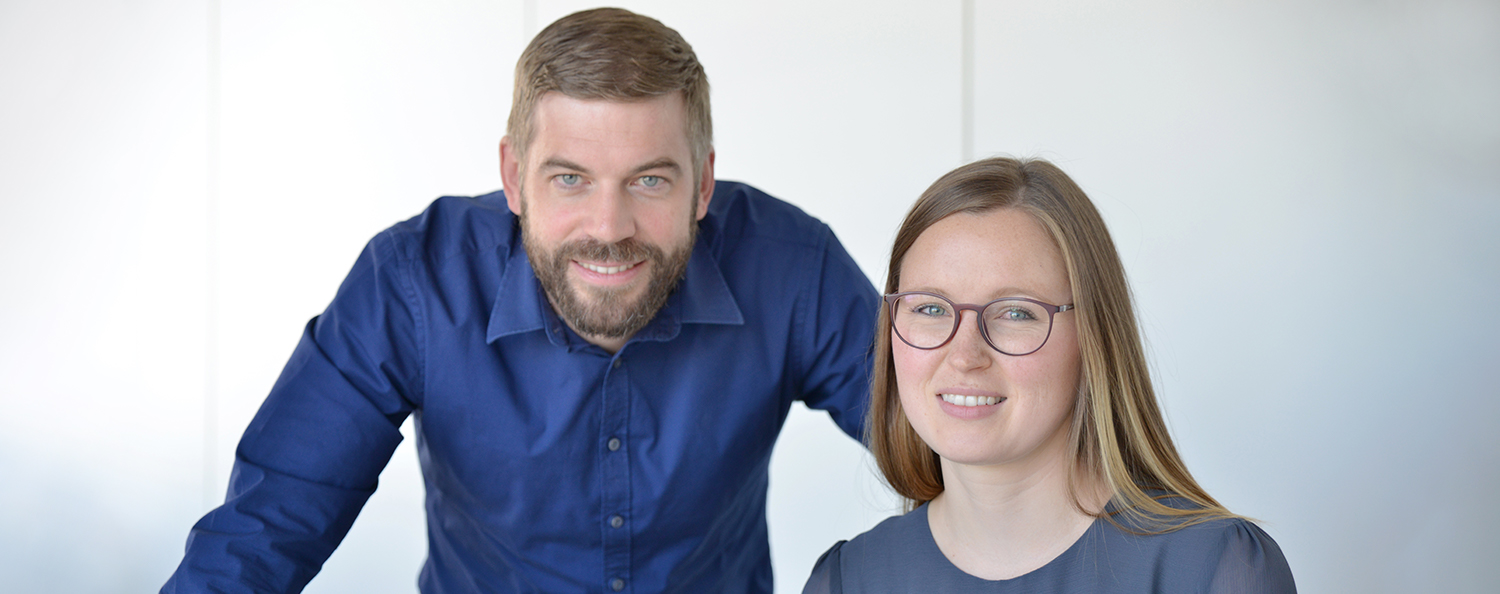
(1014,326)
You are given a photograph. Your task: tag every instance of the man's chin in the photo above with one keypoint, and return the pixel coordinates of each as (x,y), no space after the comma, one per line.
(608,313)
(595,297)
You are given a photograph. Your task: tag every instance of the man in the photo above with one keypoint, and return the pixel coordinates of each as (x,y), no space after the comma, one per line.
(597,360)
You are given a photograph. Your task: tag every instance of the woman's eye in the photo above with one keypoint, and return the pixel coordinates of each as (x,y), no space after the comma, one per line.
(931,309)
(650,181)
(1016,314)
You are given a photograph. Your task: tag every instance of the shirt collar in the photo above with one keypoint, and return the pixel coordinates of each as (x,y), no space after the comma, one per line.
(703,297)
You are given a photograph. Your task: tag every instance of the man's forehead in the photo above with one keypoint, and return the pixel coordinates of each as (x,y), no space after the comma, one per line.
(625,133)
(557,109)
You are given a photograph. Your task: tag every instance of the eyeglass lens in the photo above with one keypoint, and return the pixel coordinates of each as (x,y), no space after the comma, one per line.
(1014,327)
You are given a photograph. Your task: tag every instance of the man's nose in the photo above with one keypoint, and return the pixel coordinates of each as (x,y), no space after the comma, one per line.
(613,216)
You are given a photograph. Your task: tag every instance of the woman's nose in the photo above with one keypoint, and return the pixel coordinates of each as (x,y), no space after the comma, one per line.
(968,349)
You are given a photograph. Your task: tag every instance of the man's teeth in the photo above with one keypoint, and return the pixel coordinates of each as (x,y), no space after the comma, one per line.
(970,400)
(607,269)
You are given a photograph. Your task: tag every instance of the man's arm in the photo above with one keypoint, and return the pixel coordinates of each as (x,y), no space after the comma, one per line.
(311,457)
(840,323)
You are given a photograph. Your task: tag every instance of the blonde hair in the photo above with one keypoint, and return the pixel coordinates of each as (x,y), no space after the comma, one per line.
(1117,431)
(615,55)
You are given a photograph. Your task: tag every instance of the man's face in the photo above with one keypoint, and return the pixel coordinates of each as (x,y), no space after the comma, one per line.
(609,207)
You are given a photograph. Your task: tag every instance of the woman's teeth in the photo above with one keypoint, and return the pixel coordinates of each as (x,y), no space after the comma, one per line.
(970,400)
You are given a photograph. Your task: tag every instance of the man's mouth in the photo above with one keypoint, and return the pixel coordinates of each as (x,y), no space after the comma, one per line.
(595,268)
(961,400)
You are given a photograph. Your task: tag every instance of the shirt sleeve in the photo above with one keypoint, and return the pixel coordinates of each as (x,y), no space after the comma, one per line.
(826,578)
(840,325)
(1251,562)
(312,455)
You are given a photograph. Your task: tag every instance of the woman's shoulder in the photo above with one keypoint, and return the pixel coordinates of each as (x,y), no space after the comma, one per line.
(1247,559)
(884,553)
(1205,537)
(892,531)
(827,577)
(1221,554)
(892,538)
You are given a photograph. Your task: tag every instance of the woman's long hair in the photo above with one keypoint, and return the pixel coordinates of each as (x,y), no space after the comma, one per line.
(1117,431)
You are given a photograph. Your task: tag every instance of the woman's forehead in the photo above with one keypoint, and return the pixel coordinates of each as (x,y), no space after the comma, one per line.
(986,255)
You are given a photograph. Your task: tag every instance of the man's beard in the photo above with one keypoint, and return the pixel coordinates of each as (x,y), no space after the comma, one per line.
(609,314)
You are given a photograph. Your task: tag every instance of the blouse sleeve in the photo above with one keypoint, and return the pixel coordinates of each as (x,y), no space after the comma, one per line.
(1251,562)
(826,578)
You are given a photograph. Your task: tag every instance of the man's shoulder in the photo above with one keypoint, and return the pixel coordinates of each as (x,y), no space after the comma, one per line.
(455,225)
(741,212)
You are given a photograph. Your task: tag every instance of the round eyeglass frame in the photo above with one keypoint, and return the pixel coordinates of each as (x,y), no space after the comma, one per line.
(978,309)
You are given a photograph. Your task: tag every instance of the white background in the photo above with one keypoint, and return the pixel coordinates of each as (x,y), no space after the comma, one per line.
(1306,196)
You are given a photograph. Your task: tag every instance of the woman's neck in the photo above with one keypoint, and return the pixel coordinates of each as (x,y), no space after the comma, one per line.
(1000,522)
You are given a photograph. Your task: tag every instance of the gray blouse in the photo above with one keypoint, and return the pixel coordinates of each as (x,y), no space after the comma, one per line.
(1220,556)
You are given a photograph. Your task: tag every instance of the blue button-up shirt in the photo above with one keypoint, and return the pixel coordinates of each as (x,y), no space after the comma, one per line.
(550,464)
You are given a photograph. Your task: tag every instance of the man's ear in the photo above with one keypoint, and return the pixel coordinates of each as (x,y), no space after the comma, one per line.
(510,174)
(705,185)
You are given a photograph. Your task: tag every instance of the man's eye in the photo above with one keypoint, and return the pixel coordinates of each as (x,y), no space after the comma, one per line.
(650,181)
(569,179)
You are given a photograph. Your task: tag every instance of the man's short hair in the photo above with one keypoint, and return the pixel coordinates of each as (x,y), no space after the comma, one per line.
(615,55)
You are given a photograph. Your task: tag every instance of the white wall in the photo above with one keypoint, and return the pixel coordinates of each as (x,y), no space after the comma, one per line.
(1306,195)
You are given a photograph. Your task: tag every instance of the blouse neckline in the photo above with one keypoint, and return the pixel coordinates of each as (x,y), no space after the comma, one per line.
(930,543)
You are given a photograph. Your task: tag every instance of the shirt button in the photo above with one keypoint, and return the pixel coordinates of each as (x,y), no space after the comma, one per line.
(614,444)
(617,584)
(616,521)
(618,362)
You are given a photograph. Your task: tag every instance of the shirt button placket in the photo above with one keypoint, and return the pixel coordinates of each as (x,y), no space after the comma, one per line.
(616,464)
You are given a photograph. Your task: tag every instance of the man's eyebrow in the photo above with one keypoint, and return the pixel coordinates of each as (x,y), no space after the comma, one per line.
(558,163)
(662,163)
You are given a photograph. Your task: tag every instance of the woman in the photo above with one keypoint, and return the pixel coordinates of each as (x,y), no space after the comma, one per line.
(1012,409)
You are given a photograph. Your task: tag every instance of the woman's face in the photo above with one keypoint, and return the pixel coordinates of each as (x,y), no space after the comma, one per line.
(971,258)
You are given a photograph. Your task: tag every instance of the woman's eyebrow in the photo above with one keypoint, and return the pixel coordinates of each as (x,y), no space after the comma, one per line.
(1000,294)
